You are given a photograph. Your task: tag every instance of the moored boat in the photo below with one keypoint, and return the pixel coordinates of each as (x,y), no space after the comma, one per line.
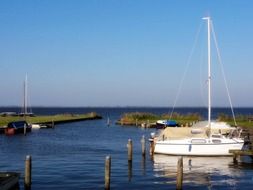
(210,140)
(17,127)
(166,123)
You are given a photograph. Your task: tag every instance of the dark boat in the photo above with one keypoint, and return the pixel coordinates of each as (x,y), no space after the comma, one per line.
(160,124)
(17,127)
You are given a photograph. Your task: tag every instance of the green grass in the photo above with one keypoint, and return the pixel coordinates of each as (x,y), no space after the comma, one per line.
(182,119)
(241,120)
(141,117)
(42,119)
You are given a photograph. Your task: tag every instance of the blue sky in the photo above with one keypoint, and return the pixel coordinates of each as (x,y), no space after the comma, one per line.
(122,53)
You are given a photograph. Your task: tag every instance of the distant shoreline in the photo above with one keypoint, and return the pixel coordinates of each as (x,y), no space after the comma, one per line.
(158,107)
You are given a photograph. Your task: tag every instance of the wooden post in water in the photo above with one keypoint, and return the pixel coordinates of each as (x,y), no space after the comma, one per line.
(24,129)
(107,172)
(152,147)
(52,123)
(179,173)
(130,150)
(108,121)
(143,146)
(28,172)
(235,158)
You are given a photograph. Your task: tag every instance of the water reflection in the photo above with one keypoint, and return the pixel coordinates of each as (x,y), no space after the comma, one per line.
(208,171)
(130,170)
(143,165)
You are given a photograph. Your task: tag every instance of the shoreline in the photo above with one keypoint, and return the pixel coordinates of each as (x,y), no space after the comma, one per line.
(49,119)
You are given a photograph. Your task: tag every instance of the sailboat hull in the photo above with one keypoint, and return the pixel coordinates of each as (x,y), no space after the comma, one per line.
(206,148)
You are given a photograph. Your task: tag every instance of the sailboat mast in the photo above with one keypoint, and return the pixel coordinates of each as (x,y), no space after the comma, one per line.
(25,96)
(209,67)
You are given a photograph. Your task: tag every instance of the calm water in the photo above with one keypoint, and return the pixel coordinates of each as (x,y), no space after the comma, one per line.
(71,156)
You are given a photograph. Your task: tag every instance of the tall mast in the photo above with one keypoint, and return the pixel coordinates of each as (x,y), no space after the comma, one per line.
(25,96)
(209,68)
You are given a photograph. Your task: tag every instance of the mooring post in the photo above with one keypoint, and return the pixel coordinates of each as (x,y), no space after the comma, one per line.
(143,146)
(107,172)
(24,129)
(152,147)
(179,173)
(28,172)
(136,123)
(130,150)
(108,121)
(235,158)
(52,123)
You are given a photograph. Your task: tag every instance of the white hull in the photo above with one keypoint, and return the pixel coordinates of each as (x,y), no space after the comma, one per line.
(185,147)
(35,126)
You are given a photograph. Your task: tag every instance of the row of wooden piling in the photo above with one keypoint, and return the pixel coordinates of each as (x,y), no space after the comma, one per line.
(179,179)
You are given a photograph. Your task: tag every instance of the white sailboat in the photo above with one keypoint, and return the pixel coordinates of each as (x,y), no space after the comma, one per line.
(208,140)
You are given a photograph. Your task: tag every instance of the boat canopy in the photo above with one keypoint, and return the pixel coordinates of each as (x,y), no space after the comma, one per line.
(217,127)
(200,130)
(17,124)
(182,133)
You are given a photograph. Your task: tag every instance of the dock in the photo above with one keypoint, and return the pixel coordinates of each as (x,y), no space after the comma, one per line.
(8,180)
(49,120)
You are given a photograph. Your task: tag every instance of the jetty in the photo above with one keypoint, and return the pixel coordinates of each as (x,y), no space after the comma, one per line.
(8,180)
(49,119)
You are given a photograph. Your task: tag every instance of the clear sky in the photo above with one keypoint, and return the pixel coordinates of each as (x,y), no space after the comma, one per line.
(121,52)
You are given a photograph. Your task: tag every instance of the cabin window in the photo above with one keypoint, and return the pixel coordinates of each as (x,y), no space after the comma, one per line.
(198,141)
(216,141)
(216,136)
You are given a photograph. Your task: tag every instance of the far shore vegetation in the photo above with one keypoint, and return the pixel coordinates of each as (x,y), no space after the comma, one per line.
(182,119)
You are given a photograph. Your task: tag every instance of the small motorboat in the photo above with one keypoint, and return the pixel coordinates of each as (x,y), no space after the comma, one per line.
(166,123)
(16,127)
(35,126)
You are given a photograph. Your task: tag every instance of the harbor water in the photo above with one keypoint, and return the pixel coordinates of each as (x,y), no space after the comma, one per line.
(72,156)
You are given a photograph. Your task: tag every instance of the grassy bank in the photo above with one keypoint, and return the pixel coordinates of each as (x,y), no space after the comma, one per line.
(60,118)
(139,118)
(182,119)
(241,120)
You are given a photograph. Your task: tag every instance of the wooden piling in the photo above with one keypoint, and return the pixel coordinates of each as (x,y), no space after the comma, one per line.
(143,146)
(28,172)
(130,150)
(235,158)
(151,147)
(107,172)
(179,173)
(24,129)
(108,121)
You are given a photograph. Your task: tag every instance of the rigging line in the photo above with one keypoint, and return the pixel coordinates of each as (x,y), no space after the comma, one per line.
(223,73)
(186,69)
